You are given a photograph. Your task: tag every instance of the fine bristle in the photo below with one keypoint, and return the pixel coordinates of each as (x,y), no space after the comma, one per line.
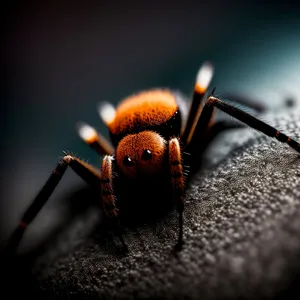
(86,132)
(204,76)
(107,112)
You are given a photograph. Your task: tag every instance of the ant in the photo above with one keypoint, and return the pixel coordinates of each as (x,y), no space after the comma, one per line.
(154,140)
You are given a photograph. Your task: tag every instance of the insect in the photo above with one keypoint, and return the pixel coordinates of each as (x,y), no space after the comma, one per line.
(153,141)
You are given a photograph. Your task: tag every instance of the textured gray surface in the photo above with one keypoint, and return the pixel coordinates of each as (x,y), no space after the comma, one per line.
(242,232)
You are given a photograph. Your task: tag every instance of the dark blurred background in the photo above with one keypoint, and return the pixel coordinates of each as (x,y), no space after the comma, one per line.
(60,59)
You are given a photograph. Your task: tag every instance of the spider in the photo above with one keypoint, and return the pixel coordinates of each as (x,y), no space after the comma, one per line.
(154,140)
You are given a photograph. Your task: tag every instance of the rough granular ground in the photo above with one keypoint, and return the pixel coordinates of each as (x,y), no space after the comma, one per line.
(241,231)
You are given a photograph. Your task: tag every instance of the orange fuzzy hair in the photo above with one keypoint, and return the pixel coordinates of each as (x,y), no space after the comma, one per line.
(133,145)
(147,108)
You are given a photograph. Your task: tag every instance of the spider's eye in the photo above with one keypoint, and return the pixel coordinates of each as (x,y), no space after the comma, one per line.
(147,155)
(127,161)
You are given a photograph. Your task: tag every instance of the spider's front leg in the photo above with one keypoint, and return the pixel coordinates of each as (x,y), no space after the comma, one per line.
(87,172)
(213,102)
(177,181)
(108,197)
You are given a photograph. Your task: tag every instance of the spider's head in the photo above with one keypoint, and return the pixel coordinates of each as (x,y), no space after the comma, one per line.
(141,154)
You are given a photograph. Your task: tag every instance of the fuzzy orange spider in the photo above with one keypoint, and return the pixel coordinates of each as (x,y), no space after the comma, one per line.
(144,159)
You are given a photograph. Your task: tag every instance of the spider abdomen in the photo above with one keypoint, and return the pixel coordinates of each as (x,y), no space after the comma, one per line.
(155,110)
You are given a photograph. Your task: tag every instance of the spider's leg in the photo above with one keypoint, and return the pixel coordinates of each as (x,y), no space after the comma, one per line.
(107,112)
(247,101)
(203,80)
(199,139)
(94,139)
(107,195)
(244,117)
(177,181)
(208,128)
(87,172)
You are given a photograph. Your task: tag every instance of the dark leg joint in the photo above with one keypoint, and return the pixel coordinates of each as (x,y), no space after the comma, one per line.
(285,139)
(281,137)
